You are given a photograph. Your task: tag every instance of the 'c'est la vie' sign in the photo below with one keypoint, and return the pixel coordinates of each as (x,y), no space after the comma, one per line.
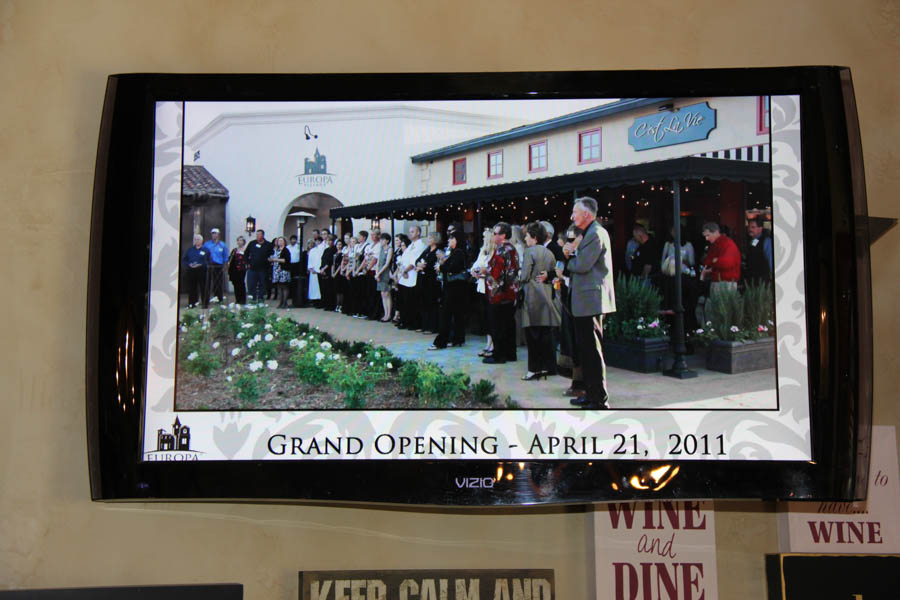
(687,124)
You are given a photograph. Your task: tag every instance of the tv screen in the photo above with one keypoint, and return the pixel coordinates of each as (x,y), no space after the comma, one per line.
(465,289)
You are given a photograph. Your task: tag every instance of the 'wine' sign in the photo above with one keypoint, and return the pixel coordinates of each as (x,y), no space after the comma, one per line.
(868,527)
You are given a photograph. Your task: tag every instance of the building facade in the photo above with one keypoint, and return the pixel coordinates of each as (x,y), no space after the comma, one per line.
(317,158)
(632,155)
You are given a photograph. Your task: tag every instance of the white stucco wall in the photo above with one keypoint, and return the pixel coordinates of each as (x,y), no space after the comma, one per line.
(258,157)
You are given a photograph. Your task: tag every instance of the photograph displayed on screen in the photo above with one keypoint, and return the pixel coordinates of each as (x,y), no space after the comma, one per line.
(477,279)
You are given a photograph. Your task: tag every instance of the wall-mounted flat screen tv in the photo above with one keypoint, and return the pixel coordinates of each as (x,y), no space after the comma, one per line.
(479,288)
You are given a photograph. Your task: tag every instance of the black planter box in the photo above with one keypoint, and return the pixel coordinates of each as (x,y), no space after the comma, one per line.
(741,357)
(644,355)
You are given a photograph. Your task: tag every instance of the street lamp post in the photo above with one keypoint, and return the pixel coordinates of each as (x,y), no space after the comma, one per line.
(679,366)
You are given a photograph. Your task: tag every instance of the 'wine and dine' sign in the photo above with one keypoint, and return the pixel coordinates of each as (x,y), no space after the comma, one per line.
(652,550)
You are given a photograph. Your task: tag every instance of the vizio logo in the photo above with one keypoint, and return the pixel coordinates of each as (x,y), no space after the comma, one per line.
(474,482)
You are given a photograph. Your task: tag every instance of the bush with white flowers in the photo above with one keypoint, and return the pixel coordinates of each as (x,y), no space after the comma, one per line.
(247,347)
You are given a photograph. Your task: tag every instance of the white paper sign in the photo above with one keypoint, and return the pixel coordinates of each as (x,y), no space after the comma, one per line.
(655,550)
(869,527)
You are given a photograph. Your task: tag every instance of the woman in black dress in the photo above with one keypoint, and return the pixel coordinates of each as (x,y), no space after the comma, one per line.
(385,256)
(336,266)
(237,271)
(427,278)
(456,291)
(281,276)
(401,243)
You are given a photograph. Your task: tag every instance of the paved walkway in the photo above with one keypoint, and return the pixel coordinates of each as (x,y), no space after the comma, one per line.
(627,389)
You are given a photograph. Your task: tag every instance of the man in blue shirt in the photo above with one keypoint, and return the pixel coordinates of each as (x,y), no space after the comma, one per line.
(218,256)
(195,263)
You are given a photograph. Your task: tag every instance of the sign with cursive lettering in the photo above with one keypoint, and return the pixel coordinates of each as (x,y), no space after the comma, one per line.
(679,126)
(868,527)
(655,550)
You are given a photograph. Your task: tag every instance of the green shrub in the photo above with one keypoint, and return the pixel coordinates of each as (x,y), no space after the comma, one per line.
(285,329)
(378,358)
(736,317)
(256,315)
(354,383)
(483,392)
(439,389)
(759,309)
(216,312)
(358,348)
(408,376)
(189,317)
(266,349)
(194,338)
(725,313)
(308,368)
(637,311)
(202,361)
(248,386)
(224,323)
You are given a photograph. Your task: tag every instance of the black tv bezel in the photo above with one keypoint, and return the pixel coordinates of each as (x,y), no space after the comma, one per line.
(837,279)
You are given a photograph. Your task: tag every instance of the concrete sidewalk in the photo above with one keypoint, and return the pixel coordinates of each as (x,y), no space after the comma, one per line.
(627,389)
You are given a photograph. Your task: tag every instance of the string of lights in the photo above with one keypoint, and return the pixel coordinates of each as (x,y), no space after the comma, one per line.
(554,207)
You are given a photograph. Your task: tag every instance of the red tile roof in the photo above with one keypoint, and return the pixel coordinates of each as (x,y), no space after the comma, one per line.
(197,181)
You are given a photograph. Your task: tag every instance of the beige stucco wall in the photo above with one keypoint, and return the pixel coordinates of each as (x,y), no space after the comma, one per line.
(735,128)
(54,58)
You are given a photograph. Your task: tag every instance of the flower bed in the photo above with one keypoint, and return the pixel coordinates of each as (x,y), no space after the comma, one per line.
(737,317)
(739,335)
(637,311)
(634,337)
(246,358)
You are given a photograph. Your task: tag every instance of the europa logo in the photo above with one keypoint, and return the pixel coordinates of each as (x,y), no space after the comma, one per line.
(173,445)
(315,172)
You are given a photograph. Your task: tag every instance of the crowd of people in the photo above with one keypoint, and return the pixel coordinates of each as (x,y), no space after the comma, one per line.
(720,266)
(549,289)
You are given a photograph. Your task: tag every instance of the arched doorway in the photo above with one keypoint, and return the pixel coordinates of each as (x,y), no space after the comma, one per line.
(317,204)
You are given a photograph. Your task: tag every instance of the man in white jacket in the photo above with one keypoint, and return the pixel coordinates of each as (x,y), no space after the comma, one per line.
(412,303)
(313,263)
